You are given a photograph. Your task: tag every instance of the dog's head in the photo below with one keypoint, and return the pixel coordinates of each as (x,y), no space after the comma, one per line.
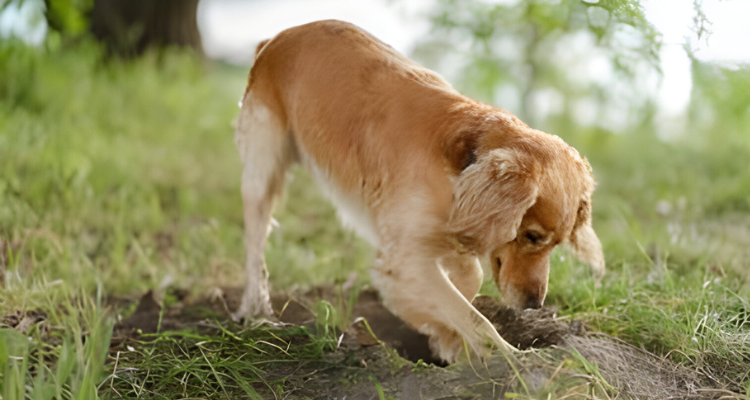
(516,202)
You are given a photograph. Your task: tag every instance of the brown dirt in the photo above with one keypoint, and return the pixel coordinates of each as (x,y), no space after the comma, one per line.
(524,329)
(631,372)
(24,321)
(289,308)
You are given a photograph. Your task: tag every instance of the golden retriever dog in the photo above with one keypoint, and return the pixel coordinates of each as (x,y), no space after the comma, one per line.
(434,180)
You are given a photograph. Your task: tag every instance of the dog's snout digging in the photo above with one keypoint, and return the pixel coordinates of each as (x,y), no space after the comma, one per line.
(432,179)
(533,303)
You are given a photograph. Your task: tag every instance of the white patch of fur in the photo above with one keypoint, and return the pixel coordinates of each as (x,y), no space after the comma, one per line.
(350,210)
(260,151)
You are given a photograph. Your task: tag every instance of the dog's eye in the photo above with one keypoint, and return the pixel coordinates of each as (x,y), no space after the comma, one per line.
(499,263)
(533,237)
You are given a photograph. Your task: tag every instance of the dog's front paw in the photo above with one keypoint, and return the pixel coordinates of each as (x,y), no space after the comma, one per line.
(445,344)
(485,335)
(450,346)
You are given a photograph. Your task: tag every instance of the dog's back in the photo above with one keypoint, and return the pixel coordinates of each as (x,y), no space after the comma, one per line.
(359,112)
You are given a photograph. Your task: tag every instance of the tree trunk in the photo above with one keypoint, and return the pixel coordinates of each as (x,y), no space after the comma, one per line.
(129,27)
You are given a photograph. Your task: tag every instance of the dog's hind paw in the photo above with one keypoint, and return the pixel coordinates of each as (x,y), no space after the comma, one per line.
(251,311)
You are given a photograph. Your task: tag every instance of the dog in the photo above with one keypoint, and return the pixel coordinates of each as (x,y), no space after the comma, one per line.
(434,180)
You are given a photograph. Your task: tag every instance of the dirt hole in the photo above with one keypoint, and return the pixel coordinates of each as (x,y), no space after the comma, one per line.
(524,329)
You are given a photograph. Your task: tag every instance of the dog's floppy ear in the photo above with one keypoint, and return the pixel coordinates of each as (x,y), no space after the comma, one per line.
(461,151)
(583,239)
(491,197)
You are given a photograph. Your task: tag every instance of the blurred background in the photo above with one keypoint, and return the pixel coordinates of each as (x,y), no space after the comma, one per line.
(596,39)
(117,161)
(119,174)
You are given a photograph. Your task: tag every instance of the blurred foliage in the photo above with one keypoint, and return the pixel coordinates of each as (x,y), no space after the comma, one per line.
(566,50)
(720,102)
(66,18)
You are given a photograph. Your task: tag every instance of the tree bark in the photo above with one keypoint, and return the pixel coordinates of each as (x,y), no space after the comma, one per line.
(129,27)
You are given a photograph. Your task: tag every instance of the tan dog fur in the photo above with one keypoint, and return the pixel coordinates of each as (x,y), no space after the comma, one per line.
(433,179)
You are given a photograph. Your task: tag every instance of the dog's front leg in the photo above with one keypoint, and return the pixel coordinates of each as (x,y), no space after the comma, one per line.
(417,290)
(464,271)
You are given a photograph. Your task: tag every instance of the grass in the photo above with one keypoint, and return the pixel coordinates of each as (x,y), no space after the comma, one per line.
(117,178)
(63,357)
(225,364)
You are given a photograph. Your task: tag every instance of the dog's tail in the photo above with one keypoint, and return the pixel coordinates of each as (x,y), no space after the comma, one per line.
(258,49)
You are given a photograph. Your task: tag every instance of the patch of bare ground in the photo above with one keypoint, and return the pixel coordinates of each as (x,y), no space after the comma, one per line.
(567,360)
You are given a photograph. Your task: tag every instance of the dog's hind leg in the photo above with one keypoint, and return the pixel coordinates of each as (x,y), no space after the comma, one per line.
(265,148)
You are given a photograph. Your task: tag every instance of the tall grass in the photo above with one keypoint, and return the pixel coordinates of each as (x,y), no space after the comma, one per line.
(62,357)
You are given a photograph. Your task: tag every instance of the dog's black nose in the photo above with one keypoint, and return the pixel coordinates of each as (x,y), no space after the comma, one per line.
(533,302)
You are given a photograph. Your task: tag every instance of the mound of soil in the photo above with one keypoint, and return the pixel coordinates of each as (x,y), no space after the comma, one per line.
(537,328)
